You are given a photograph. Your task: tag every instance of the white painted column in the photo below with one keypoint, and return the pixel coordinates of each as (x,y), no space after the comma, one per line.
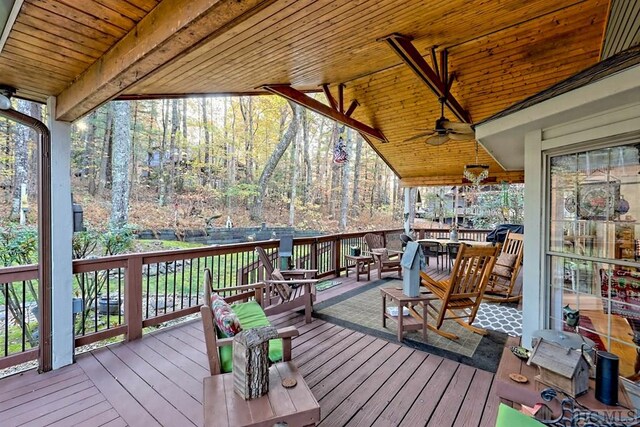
(61,236)
(533,286)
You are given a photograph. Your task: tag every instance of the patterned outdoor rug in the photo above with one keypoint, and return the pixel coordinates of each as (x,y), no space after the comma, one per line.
(499,317)
(361,309)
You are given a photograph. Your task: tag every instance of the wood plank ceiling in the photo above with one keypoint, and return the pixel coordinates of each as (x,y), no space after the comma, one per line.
(501,52)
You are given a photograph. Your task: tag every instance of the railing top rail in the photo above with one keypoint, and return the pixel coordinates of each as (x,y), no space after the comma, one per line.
(18,273)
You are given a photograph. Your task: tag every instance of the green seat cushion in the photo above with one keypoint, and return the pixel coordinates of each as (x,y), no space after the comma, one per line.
(250,315)
(509,417)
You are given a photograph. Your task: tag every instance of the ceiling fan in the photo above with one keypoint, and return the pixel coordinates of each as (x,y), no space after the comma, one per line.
(445,130)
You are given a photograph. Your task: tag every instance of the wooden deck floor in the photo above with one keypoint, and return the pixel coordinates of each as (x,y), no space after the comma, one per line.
(358,380)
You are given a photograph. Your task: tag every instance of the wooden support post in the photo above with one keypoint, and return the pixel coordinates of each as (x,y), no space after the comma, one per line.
(341,98)
(133,298)
(314,255)
(337,253)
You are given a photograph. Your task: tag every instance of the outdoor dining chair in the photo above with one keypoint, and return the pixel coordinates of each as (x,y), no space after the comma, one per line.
(436,250)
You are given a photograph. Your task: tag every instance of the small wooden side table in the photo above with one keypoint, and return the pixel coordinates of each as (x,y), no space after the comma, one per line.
(362,265)
(407,323)
(296,406)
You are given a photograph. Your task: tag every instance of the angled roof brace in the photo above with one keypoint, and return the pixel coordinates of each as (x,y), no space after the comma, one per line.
(333,112)
(403,47)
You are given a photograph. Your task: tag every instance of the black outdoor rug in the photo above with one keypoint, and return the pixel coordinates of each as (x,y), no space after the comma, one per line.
(361,310)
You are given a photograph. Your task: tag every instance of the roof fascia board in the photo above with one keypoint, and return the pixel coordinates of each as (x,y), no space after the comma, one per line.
(13,15)
(503,138)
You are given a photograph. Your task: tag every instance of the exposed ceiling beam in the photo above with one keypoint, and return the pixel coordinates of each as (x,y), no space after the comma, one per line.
(403,47)
(513,177)
(171,30)
(329,96)
(306,101)
(354,104)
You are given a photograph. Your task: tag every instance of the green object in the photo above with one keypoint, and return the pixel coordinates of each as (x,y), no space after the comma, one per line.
(250,315)
(509,417)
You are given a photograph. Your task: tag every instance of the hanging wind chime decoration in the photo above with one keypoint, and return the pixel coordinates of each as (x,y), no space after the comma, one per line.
(340,150)
(476,173)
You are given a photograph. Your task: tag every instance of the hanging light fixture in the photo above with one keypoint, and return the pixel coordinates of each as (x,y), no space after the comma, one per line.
(476,173)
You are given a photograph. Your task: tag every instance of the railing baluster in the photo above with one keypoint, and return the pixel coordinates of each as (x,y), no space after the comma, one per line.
(5,291)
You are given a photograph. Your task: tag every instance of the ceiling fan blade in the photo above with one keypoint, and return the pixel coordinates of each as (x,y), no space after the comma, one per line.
(458,136)
(437,139)
(420,135)
(457,126)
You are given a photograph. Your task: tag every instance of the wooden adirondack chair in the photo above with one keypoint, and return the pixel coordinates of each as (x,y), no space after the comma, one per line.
(459,296)
(245,293)
(384,259)
(287,289)
(505,272)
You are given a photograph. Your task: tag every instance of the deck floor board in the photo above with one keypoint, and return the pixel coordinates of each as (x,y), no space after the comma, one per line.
(358,379)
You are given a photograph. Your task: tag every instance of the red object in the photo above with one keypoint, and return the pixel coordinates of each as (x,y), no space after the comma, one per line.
(585,322)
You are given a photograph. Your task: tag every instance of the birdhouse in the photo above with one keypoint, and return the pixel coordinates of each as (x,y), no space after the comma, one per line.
(561,368)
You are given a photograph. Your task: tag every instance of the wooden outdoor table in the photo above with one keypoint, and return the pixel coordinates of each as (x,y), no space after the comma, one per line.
(405,323)
(296,406)
(362,265)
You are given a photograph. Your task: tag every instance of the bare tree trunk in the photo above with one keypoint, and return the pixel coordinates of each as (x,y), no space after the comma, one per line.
(174,155)
(207,140)
(89,158)
(249,133)
(307,157)
(355,201)
(270,166)
(231,157)
(21,158)
(105,162)
(335,175)
(373,190)
(294,182)
(133,178)
(344,205)
(121,155)
(162,196)
(319,151)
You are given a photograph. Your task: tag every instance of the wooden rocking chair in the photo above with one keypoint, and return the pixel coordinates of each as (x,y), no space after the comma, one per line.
(382,257)
(460,295)
(287,289)
(505,272)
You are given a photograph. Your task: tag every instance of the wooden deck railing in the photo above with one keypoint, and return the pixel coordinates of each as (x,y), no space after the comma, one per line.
(124,294)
